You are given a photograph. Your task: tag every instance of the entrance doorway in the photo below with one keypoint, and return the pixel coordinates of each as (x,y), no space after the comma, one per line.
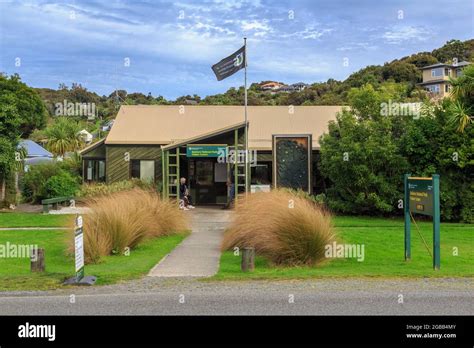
(207,180)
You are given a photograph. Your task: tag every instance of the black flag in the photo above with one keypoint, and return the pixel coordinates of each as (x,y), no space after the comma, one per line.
(230,65)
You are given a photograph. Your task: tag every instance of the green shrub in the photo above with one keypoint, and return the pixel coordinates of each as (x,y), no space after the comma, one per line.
(61,185)
(34,181)
(46,181)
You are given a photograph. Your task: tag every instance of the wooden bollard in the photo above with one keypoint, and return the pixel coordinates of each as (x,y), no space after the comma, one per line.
(248,260)
(37,260)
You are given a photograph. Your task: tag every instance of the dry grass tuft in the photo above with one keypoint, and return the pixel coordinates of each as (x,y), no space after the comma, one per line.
(283,226)
(124,219)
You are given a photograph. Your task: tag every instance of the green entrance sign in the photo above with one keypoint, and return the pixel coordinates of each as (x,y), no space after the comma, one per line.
(422,197)
(200,150)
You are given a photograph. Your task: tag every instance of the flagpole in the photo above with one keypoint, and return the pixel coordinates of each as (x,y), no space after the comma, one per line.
(245,111)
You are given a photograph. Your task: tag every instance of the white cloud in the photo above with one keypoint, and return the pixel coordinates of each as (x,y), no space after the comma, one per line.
(400,34)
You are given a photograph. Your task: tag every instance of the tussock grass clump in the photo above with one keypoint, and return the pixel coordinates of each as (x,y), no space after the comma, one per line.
(124,219)
(282,226)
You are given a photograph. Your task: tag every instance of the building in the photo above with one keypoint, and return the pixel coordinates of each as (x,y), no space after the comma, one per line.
(35,153)
(436,77)
(85,136)
(146,141)
(271,86)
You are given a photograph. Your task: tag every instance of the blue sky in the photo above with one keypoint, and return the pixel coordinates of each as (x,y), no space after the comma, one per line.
(171,45)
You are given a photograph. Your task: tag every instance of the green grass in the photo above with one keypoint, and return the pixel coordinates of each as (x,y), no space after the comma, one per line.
(384,253)
(15,272)
(33,220)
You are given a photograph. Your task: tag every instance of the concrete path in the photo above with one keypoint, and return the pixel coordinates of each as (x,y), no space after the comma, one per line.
(198,255)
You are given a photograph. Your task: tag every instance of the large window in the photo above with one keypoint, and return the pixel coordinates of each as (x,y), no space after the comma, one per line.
(94,170)
(437,72)
(143,170)
(433,88)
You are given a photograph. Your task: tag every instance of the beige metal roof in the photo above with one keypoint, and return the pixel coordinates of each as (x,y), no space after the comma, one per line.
(165,124)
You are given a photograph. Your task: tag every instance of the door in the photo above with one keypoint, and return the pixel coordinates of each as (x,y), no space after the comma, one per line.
(208,181)
(203,180)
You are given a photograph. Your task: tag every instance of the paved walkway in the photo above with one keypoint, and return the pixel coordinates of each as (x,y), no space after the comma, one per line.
(198,255)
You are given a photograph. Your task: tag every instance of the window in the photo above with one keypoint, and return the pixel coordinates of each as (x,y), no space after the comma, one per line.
(433,88)
(447,88)
(143,170)
(458,72)
(261,174)
(447,72)
(437,72)
(94,170)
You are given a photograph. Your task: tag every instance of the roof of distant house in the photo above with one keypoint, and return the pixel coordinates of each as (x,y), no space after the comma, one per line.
(33,149)
(439,65)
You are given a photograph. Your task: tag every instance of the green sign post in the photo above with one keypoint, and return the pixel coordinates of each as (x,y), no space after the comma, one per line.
(201,150)
(422,197)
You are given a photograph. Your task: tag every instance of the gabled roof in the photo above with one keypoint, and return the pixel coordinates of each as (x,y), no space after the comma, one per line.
(166,124)
(91,147)
(34,150)
(204,136)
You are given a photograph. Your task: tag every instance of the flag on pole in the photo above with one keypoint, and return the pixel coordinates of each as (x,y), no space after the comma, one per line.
(230,65)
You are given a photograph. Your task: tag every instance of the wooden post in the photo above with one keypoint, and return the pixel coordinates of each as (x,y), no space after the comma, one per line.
(248,260)
(406,210)
(37,260)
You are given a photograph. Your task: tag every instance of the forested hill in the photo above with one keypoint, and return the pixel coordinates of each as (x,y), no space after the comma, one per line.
(403,71)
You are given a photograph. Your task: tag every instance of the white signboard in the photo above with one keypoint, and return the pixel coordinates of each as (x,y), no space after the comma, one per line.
(79,246)
(260,188)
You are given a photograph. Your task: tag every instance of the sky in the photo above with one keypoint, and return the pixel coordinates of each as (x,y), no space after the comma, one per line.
(168,47)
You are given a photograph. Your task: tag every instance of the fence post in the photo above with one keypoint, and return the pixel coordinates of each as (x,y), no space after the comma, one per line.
(248,260)
(37,260)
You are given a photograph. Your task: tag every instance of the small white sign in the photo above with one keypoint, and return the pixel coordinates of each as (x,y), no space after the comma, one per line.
(79,248)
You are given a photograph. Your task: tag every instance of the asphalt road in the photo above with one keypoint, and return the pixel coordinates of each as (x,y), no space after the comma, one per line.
(171,296)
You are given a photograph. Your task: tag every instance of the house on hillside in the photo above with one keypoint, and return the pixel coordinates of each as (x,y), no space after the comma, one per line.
(436,77)
(271,86)
(35,153)
(85,136)
(146,140)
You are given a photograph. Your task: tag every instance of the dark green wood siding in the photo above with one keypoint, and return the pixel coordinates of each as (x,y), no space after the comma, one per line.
(118,169)
(98,152)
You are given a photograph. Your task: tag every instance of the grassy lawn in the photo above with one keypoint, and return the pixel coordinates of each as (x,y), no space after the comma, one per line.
(15,272)
(384,253)
(33,220)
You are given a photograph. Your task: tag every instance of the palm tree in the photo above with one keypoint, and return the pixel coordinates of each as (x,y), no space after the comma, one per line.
(460,115)
(463,93)
(63,136)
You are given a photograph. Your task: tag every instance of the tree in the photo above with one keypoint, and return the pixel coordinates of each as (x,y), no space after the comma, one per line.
(360,156)
(27,102)
(452,49)
(63,136)
(10,122)
(462,107)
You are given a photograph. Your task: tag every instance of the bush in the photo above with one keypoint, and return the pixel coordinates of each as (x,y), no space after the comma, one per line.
(34,181)
(48,180)
(124,219)
(282,226)
(61,185)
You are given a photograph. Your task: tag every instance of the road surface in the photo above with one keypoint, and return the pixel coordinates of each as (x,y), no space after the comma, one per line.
(190,296)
